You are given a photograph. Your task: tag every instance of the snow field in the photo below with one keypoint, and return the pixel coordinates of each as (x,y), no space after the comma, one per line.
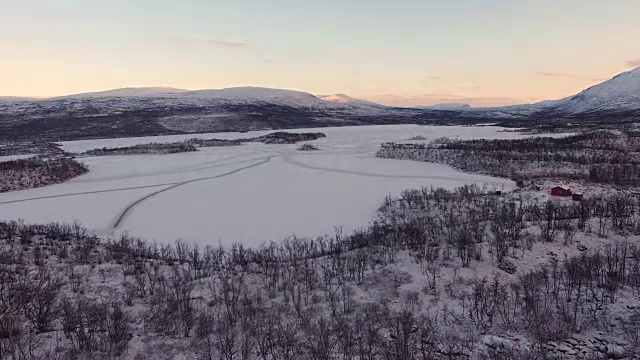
(251,194)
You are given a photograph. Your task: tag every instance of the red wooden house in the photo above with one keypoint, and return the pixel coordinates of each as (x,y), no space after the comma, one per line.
(560,191)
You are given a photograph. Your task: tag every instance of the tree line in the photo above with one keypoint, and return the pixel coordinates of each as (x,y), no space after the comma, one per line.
(193,144)
(609,157)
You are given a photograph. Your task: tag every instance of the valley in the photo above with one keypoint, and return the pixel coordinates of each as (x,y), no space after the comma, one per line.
(171,224)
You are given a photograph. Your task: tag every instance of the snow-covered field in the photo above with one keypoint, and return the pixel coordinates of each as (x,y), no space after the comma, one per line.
(249,194)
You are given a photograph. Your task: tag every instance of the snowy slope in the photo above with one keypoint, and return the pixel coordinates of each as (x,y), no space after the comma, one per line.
(157,111)
(622,93)
(293,98)
(126,92)
(256,94)
(618,95)
(346,99)
(235,95)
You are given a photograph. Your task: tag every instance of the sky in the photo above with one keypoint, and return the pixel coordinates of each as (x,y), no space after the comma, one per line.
(402,52)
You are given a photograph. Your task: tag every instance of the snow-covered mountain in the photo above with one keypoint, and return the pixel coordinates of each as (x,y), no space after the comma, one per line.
(235,95)
(346,99)
(617,96)
(621,93)
(154,111)
(255,94)
(127,92)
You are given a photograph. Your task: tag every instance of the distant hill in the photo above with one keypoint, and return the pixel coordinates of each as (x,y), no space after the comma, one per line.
(126,92)
(621,93)
(346,99)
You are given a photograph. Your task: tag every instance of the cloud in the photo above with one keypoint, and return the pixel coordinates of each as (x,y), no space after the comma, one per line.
(554,74)
(258,53)
(434,78)
(634,63)
(228,44)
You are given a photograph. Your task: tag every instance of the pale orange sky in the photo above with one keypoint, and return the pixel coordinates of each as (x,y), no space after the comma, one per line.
(407,52)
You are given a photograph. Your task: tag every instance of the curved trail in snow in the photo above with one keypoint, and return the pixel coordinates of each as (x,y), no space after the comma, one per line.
(83,193)
(175,170)
(127,210)
(121,189)
(289,159)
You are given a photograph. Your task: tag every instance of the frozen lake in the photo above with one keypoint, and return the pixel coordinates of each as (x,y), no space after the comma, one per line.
(250,194)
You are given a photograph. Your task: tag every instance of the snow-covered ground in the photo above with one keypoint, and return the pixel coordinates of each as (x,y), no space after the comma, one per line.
(249,194)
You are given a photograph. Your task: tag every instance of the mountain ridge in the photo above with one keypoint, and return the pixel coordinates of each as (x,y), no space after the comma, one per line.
(620,93)
(346,99)
(124,92)
(241,93)
(157,111)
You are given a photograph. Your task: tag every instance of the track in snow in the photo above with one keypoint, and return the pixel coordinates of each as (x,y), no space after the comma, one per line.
(176,170)
(289,159)
(171,184)
(122,216)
